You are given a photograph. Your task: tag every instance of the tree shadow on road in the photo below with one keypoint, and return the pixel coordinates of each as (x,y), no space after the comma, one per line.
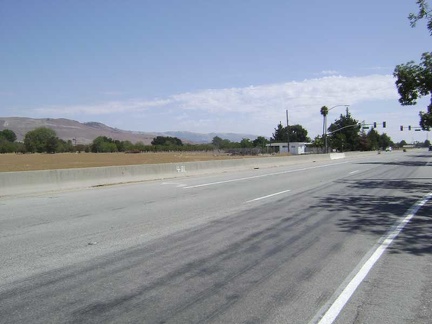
(400,163)
(374,212)
(420,156)
(407,185)
(416,238)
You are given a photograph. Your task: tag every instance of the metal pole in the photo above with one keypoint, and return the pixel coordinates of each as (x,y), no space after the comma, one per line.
(288,131)
(325,133)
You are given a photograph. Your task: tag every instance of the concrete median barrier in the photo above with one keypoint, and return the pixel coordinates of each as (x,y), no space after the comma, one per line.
(28,182)
(337,156)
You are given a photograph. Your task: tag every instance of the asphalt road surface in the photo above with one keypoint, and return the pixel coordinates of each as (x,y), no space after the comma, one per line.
(348,241)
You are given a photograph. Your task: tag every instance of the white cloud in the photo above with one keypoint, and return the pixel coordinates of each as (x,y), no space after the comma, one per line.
(112,107)
(321,91)
(253,109)
(314,92)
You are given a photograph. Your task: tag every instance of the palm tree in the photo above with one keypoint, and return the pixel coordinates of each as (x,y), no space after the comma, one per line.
(324,113)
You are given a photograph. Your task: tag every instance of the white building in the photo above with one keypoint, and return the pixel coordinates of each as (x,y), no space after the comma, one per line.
(295,147)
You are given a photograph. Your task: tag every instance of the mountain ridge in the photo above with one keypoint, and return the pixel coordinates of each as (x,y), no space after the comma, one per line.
(86,132)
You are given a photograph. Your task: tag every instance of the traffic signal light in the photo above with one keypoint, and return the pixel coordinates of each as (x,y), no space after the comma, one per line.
(384,124)
(374,124)
(409,127)
(401,128)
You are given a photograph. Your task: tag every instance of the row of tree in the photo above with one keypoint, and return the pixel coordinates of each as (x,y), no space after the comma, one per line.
(40,140)
(167,143)
(103,144)
(245,143)
(345,134)
(45,140)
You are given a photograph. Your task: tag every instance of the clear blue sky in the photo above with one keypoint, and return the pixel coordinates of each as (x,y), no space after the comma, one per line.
(208,66)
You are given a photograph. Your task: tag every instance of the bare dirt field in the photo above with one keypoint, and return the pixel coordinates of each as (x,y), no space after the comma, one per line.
(31,162)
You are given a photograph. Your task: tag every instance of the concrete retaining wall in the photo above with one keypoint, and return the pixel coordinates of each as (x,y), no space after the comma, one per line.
(15,183)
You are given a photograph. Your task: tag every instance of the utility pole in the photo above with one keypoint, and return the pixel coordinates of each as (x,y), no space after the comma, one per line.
(288,131)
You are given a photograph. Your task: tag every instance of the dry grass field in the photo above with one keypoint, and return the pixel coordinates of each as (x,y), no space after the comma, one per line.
(30,162)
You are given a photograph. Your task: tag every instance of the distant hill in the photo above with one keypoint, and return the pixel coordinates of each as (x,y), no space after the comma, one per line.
(85,133)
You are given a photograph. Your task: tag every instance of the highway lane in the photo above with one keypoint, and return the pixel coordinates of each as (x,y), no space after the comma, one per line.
(268,245)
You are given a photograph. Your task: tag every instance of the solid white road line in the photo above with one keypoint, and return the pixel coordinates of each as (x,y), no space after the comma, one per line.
(337,306)
(261,176)
(354,172)
(177,184)
(268,196)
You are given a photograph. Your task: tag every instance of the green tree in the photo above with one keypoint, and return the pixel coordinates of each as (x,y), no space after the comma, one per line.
(101,145)
(108,147)
(119,145)
(139,146)
(246,143)
(423,13)
(324,112)
(344,133)
(51,145)
(6,146)
(373,139)
(41,140)
(226,144)
(364,144)
(223,144)
(413,80)
(167,141)
(64,146)
(318,141)
(296,134)
(280,134)
(127,146)
(82,148)
(385,141)
(7,139)
(8,135)
(260,141)
(217,141)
